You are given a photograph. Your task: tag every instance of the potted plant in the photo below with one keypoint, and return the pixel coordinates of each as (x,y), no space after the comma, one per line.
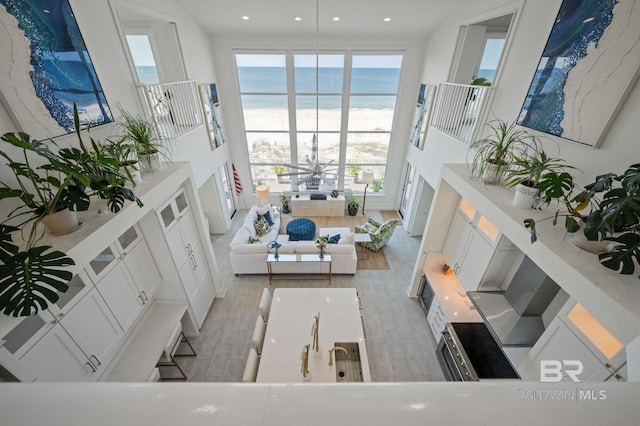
(526,172)
(613,217)
(143,135)
(493,153)
(47,183)
(278,170)
(285,204)
(127,156)
(353,171)
(352,206)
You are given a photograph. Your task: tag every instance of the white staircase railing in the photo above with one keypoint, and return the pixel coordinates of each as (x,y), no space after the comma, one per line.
(174,107)
(460,110)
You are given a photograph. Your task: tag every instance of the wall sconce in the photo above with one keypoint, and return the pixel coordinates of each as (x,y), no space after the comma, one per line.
(367,178)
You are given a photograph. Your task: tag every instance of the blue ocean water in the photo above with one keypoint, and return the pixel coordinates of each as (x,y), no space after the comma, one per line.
(148,74)
(579,23)
(383,82)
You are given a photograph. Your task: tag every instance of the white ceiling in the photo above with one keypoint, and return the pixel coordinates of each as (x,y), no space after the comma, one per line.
(414,18)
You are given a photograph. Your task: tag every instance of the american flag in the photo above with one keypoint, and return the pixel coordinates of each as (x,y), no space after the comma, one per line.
(236,180)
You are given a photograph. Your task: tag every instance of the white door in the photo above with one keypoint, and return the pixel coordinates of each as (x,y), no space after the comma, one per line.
(122,296)
(475,262)
(94,328)
(406,190)
(56,358)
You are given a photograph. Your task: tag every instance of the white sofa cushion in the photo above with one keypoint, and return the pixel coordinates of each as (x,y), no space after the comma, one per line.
(346,239)
(285,249)
(249,248)
(241,237)
(339,248)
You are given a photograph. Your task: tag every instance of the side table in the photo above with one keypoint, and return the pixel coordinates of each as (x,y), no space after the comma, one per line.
(361,252)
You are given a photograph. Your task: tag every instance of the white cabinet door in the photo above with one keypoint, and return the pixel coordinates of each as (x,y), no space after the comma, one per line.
(457,238)
(143,269)
(56,357)
(475,262)
(559,343)
(94,328)
(122,296)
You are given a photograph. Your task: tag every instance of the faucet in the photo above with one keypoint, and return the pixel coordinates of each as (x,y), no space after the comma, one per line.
(304,368)
(314,332)
(336,348)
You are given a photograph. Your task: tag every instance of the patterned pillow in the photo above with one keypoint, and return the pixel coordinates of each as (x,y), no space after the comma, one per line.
(262,226)
(267,216)
(253,240)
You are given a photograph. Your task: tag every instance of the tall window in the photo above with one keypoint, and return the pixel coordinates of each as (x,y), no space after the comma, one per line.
(348,105)
(142,55)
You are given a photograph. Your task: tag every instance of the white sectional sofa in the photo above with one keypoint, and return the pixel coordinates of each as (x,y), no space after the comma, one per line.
(249,258)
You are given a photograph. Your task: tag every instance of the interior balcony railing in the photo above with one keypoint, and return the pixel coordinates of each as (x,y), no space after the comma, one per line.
(460,110)
(174,107)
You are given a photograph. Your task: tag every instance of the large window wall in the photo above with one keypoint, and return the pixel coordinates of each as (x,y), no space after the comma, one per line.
(347,99)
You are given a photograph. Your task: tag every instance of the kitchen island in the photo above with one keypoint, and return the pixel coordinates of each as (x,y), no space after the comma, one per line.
(289,330)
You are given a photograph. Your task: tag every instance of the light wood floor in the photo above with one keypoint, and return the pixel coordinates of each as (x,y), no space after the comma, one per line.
(400,346)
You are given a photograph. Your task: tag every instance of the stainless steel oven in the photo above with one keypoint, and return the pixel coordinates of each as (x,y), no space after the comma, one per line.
(468,352)
(425,293)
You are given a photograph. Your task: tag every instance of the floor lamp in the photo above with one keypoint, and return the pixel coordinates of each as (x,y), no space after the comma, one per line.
(262,192)
(367,178)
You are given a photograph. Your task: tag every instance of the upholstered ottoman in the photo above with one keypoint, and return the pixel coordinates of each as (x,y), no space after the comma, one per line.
(301,229)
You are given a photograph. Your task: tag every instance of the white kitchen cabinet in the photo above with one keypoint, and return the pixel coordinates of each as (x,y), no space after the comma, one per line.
(559,343)
(187,250)
(473,244)
(75,341)
(437,318)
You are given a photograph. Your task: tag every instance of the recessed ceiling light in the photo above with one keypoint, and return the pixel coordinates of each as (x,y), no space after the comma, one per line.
(297,19)
(245,18)
(336,18)
(387,19)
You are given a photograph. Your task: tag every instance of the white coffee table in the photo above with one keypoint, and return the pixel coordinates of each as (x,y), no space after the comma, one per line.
(362,253)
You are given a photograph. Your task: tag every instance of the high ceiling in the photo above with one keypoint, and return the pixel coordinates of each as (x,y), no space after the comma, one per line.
(412,18)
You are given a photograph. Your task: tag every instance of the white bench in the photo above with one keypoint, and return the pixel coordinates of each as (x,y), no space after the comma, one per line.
(137,362)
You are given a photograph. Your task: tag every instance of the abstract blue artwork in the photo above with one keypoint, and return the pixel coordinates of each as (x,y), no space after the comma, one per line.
(46,69)
(588,66)
(421,115)
(211,108)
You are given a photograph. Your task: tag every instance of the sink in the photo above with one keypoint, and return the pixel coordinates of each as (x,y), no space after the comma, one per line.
(348,369)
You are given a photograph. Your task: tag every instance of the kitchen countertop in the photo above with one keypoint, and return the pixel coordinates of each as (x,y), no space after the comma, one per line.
(449,291)
(289,329)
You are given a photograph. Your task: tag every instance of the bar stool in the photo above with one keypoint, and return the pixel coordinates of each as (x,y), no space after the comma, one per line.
(265,304)
(258,334)
(251,369)
(167,359)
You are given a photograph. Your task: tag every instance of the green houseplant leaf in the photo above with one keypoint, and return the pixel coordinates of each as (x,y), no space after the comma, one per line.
(30,279)
(620,259)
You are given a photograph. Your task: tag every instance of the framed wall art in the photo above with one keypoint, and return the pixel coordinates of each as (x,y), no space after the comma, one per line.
(211,108)
(589,64)
(422,115)
(46,68)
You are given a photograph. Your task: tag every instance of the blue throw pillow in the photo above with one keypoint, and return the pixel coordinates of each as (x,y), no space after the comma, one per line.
(334,239)
(267,216)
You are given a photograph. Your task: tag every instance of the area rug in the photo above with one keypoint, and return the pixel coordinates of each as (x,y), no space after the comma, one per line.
(376,260)
(390,214)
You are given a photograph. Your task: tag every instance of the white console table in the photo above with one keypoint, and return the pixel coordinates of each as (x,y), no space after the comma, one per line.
(304,206)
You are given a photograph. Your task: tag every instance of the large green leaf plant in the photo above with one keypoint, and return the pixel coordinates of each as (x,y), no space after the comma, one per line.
(48,181)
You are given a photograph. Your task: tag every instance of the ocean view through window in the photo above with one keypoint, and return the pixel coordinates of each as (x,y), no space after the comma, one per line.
(351,112)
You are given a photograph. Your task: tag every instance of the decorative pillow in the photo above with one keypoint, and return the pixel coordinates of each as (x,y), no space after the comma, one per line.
(267,216)
(262,226)
(253,240)
(347,239)
(334,239)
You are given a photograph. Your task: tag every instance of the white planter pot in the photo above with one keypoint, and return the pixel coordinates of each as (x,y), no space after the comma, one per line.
(62,222)
(524,196)
(150,162)
(579,240)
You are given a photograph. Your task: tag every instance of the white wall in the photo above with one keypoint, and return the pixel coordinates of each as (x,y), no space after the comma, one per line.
(100,32)
(619,147)
(231,108)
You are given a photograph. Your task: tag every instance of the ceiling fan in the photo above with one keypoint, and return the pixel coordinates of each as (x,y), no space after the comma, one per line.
(315,173)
